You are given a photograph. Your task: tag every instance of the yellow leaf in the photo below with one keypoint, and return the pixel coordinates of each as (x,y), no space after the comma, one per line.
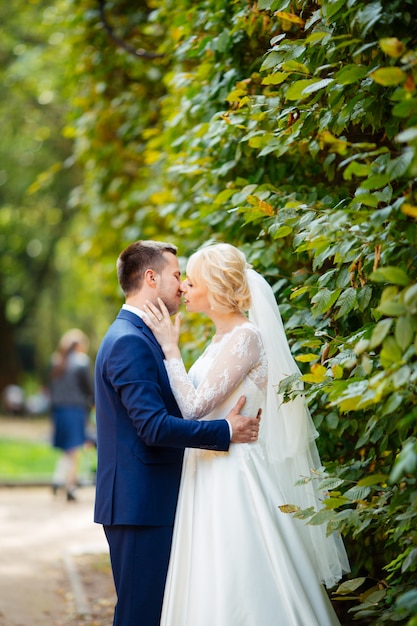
(337,371)
(147,133)
(318,369)
(306,358)
(289,17)
(152,156)
(318,374)
(161,197)
(388,76)
(392,46)
(267,208)
(235,95)
(350,404)
(289,508)
(337,145)
(245,100)
(409,209)
(275,79)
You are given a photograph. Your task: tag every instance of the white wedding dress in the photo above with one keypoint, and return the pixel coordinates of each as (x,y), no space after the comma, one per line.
(236,559)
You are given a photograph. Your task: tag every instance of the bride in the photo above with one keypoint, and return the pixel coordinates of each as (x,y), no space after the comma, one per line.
(236,559)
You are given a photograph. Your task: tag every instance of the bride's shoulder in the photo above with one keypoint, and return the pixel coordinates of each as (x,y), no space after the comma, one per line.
(246,329)
(243,331)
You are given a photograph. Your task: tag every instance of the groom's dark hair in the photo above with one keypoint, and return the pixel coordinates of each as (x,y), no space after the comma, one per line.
(140,256)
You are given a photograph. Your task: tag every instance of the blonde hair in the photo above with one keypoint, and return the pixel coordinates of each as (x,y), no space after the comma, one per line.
(221,268)
(71,339)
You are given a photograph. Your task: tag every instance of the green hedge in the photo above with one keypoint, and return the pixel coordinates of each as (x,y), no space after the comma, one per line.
(289,129)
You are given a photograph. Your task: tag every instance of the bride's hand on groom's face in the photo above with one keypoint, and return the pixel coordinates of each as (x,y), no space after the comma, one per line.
(158,319)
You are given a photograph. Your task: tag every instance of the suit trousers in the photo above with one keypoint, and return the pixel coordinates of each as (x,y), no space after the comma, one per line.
(139,557)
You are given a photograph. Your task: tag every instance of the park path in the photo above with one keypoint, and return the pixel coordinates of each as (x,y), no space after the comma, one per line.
(38,535)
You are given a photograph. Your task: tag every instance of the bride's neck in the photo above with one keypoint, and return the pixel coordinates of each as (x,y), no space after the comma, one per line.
(225,322)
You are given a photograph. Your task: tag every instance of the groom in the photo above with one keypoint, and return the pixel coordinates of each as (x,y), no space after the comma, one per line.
(141,436)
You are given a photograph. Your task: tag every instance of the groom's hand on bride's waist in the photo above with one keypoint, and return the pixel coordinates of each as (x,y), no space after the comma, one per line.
(243,429)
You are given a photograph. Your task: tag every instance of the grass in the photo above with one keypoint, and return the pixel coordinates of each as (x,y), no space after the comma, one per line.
(26,460)
(34,462)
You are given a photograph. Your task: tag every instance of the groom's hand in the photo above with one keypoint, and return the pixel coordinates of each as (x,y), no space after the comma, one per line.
(244,429)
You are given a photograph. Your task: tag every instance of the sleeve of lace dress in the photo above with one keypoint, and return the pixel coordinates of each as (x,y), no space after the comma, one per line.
(237,355)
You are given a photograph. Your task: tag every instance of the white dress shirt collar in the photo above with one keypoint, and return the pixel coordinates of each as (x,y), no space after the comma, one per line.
(133,309)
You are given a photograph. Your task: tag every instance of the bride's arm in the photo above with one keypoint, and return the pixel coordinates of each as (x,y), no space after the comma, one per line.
(237,355)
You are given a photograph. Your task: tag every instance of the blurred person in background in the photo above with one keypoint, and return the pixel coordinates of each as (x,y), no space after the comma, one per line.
(71,386)
(13,398)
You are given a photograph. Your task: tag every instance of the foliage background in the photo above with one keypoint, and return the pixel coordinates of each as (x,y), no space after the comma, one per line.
(288,128)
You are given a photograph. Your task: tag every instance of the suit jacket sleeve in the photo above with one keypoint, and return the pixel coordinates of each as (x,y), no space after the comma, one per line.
(136,372)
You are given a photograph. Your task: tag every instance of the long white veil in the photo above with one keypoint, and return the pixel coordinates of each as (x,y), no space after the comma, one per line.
(288,434)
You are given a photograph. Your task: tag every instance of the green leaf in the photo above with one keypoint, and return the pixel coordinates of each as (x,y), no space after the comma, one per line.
(368,15)
(379,333)
(391,308)
(410,562)
(275,79)
(401,377)
(318,85)
(357,493)
(407,135)
(316,37)
(405,108)
(349,586)
(299,291)
(392,404)
(367,199)
(400,165)
(390,274)
(410,298)
(373,479)
(375,181)
(224,196)
(356,169)
(272,60)
(324,299)
(297,90)
(331,8)
(364,295)
(321,517)
(406,462)
(334,503)
(351,74)
(330,483)
(408,601)
(404,331)
(346,302)
(390,352)
(278,232)
(295,66)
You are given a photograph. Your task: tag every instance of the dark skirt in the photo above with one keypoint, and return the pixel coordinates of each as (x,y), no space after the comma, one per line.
(69,426)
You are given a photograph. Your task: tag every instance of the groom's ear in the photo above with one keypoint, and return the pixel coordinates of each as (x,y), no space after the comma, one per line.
(151,278)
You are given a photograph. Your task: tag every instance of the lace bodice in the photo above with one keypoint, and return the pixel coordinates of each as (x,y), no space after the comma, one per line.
(228,367)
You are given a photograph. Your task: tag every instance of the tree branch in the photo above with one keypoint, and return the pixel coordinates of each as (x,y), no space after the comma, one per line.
(137,52)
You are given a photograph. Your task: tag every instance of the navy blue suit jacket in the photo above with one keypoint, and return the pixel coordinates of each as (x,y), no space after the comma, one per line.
(141,435)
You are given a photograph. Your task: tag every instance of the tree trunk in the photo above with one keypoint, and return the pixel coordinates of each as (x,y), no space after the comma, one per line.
(10,369)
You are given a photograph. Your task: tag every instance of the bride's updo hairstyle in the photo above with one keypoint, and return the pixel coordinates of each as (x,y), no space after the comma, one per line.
(221,268)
